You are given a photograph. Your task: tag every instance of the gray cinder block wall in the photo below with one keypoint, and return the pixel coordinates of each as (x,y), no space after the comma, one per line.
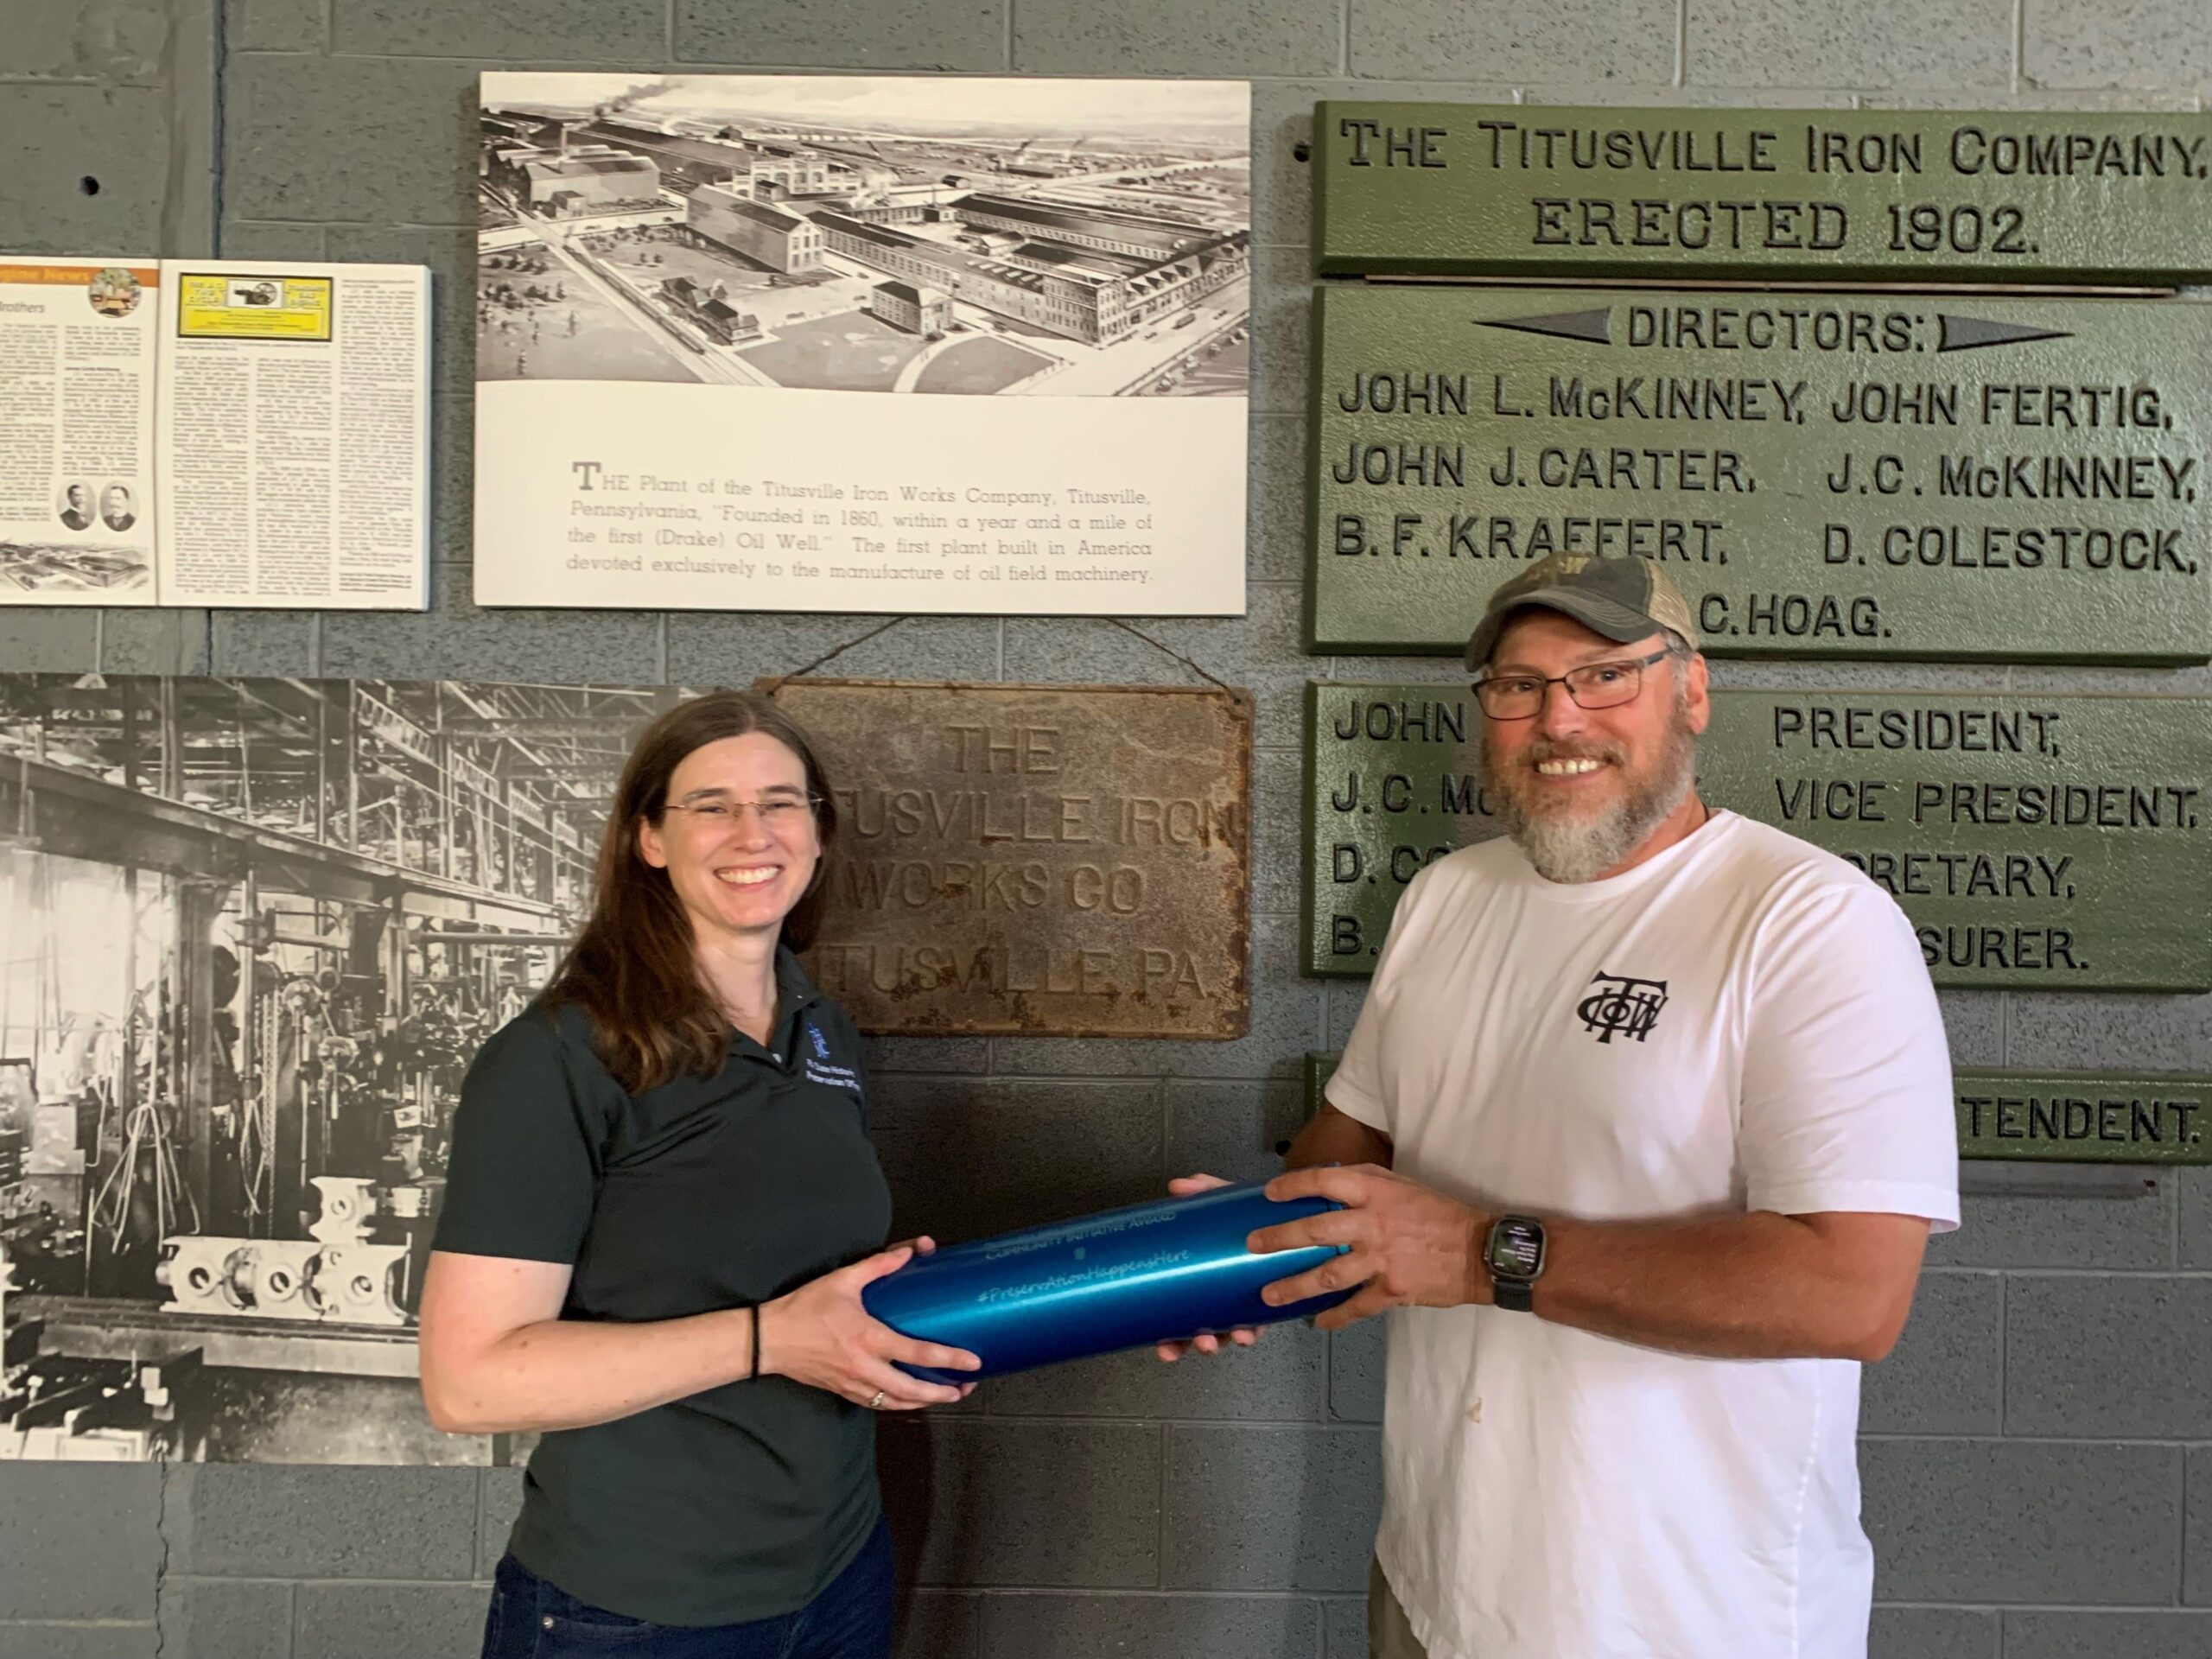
(2038,1453)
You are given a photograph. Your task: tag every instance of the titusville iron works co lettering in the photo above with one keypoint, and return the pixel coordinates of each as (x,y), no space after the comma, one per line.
(1622,1007)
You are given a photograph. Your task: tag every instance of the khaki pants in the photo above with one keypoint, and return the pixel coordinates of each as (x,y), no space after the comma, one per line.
(1388,1634)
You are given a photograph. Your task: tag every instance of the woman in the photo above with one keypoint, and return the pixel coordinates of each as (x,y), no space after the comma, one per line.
(661,1209)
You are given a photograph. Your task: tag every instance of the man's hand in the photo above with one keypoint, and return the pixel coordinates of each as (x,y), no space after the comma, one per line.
(1411,1247)
(1244,1336)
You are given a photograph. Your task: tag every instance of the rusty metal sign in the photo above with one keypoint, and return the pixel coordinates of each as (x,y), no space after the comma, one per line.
(1034,860)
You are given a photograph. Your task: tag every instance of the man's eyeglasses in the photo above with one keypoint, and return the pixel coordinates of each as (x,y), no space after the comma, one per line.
(1593,685)
(785,812)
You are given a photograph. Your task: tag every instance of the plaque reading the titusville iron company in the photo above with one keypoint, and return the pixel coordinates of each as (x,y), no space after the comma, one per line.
(1523,190)
(1049,861)
(1843,475)
(2056,843)
(2097,1117)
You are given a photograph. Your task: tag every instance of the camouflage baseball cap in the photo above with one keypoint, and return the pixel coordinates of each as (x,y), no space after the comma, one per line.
(1625,599)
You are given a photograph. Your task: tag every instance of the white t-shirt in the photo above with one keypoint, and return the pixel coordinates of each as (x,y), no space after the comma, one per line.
(1742,1022)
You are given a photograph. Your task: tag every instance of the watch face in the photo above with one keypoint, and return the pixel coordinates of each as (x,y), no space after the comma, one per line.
(1516,1249)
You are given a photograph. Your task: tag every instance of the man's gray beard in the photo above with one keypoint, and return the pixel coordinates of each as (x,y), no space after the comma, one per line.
(1567,848)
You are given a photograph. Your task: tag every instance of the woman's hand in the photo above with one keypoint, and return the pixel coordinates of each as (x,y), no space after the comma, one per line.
(822,1334)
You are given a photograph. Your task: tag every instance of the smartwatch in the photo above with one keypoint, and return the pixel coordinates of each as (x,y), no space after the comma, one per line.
(1514,1253)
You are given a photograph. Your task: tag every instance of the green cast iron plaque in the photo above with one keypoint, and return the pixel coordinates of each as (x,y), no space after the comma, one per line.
(1878,475)
(2017,1117)
(1670,195)
(2047,842)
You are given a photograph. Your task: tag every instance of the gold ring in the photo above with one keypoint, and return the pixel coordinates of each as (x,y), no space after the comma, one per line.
(876,1404)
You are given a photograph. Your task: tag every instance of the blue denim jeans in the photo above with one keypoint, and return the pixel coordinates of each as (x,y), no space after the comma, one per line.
(530,1619)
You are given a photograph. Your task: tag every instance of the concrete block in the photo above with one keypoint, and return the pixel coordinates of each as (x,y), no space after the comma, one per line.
(1048,1151)
(2151,44)
(2193,1193)
(376,1621)
(2192,682)
(1762,675)
(2085,1030)
(1274,537)
(1995,1521)
(1942,1377)
(1347,998)
(501,1501)
(736,648)
(377,141)
(88,169)
(1286,1020)
(1809,43)
(1357,1364)
(279,1520)
(2196,1547)
(1278,1379)
(1306,1503)
(848,34)
(246,238)
(1974,1023)
(2028,98)
(591,31)
(2115,1234)
(1278,831)
(1282,166)
(263,642)
(1344,1627)
(979,1502)
(1257,652)
(1493,40)
(1688,97)
(2063,1335)
(892,1054)
(80,1540)
(42,42)
(277,25)
(451,256)
(1231,1129)
(119,43)
(1094,1627)
(2108,1636)
(453,479)
(33,1640)
(1282,329)
(455,641)
(936,1625)
(149,641)
(1178,37)
(1931,1633)
(50,638)
(227,1619)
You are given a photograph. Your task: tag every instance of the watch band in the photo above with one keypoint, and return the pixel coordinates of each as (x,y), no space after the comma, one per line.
(1514,1295)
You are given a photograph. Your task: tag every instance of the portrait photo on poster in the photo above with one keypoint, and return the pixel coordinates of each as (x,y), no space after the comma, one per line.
(696,275)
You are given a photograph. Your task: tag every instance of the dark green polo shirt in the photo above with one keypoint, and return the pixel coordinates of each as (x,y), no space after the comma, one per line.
(748,1500)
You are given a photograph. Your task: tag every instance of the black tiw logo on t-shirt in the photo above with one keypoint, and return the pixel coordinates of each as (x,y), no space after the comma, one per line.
(1622,1007)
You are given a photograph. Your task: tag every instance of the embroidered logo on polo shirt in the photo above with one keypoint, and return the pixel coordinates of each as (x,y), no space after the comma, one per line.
(819,1068)
(1622,1007)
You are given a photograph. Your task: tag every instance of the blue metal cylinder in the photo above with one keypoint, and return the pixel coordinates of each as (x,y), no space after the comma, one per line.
(1162,1271)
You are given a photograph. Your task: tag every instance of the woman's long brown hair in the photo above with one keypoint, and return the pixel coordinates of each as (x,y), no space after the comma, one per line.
(631,969)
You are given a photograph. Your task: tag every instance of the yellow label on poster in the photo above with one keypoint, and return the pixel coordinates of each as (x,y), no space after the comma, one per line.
(218,306)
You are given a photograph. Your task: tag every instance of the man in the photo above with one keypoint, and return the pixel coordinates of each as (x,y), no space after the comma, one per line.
(1641,1132)
(77,514)
(115,508)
